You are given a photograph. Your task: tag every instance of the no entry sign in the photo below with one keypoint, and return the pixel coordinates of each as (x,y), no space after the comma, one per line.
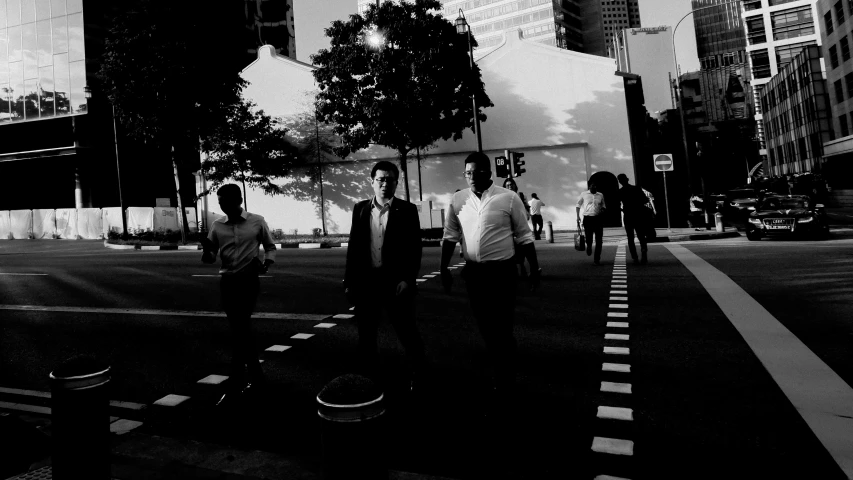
(663,162)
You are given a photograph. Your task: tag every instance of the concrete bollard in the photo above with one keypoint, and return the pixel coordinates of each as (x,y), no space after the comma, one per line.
(351,410)
(549,232)
(80,408)
(718,220)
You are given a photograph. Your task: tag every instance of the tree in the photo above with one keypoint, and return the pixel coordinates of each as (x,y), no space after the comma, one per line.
(249,147)
(170,70)
(414,90)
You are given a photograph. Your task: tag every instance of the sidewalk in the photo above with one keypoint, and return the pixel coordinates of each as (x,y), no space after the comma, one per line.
(614,235)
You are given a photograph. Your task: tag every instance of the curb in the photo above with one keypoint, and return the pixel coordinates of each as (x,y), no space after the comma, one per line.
(696,236)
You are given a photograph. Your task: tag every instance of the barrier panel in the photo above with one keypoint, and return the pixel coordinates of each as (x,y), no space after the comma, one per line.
(44,223)
(192,220)
(111,221)
(66,223)
(165,218)
(140,219)
(21,223)
(5,225)
(89,225)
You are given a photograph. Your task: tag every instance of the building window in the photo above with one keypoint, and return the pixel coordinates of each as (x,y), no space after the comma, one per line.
(779,2)
(839,91)
(753,5)
(755,32)
(845,49)
(842,123)
(792,23)
(848,80)
(839,12)
(833,57)
(827,22)
(760,63)
(785,53)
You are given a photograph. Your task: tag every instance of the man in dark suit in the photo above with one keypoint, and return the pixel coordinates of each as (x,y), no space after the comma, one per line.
(383,260)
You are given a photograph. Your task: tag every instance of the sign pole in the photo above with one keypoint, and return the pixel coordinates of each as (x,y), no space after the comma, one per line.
(666,202)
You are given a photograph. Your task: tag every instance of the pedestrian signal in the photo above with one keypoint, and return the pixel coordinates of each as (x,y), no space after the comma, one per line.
(517,164)
(501,167)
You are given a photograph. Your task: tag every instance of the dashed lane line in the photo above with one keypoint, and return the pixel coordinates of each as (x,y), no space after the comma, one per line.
(617,350)
(615,387)
(615,336)
(213,379)
(616,367)
(161,313)
(613,446)
(616,413)
(171,400)
(821,397)
(24,274)
(617,324)
(617,314)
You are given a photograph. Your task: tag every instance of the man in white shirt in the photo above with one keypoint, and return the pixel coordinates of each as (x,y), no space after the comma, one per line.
(590,209)
(237,238)
(491,222)
(536,215)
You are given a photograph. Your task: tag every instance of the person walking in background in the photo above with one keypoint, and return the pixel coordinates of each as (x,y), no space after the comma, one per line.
(383,260)
(590,209)
(510,184)
(237,238)
(636,215)
(536,215)
(491,222)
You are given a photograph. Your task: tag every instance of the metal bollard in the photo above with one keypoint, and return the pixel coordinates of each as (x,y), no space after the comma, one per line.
(80,409)
(351,409)
(718,220)
(549,232)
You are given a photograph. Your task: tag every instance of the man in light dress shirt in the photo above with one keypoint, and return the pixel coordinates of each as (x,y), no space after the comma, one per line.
(383,260)
(536,215)
(237,237)
(489,220)
(590,209)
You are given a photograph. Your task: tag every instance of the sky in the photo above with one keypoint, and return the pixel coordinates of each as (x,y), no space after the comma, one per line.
(313,16)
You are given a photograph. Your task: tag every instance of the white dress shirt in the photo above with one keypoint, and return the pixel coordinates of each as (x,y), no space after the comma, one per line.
(238,240)
(536,206)
(487,226)
(591,204)
(378,224)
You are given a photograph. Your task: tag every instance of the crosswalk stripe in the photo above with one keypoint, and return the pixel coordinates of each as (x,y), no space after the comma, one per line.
(614,387)
(615,336)
(613,446)
(160,313)
(616,367)
(616,413)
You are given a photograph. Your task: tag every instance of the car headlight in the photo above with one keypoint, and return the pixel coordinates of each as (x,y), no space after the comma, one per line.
(805,219)
(756,221)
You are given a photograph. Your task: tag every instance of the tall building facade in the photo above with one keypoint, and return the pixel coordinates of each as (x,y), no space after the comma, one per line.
(776,32)
(603,20)
(834,16)
(647,52)
(269,22)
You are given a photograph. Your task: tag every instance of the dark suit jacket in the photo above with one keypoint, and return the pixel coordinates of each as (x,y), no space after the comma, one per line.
(401,247)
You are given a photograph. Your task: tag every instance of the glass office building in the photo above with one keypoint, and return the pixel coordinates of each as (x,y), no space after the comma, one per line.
(797,118)
(42,59)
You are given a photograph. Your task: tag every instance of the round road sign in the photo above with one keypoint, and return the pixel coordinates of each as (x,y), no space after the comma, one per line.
(663,162)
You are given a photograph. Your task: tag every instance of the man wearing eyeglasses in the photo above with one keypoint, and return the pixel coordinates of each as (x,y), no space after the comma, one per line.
(383,260)
(491,222)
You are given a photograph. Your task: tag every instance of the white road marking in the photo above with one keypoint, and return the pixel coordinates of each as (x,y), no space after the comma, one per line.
(820,396)
(29,393)
(160,313)
(617,314)
(123,425)
(618,299)
(609,477)
(302,336)
(615,336)
(344,316)
(25,274)
(351,309)
(277,348)
(617,324)
(618,292)
(171,400)
(617,305)
(420,280)
(22,407)
(617,350)
(616,367)
(616,387)
(618,280)
(213,379)
(616,413)
(613,446)
(435,273)
(325,325)
(452,268)
(429,276)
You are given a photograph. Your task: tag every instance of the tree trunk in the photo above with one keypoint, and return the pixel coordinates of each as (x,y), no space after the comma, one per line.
(404,171)
(182,215)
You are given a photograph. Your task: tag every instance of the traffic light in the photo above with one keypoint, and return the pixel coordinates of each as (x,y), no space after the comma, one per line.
(517,163)
(501,167)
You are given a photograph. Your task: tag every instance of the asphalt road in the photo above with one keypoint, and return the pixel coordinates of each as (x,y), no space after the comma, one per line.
(702,401)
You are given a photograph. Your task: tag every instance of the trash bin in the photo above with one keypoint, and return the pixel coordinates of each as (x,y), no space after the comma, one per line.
(718,220)
(351,409)
(79,413)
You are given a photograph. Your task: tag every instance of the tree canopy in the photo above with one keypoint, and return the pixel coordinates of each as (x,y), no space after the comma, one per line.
(415,89)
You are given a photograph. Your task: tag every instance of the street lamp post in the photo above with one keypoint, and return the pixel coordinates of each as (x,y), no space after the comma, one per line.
(463,27)
(681,109)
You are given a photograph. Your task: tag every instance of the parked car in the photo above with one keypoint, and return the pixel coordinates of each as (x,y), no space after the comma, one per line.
(791,215)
